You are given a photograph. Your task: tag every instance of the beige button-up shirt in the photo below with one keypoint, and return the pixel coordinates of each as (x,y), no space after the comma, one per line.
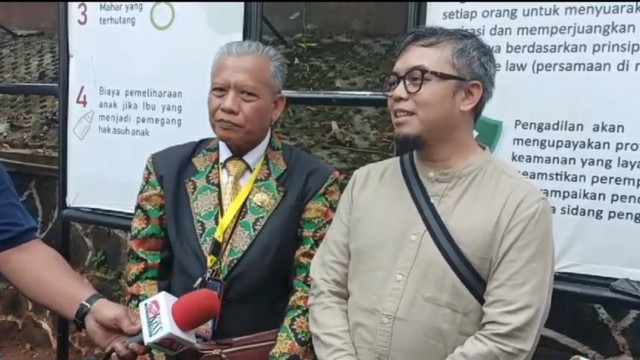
(382,290)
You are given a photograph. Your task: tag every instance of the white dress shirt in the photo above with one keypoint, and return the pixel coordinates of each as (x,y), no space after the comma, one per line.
(252,158)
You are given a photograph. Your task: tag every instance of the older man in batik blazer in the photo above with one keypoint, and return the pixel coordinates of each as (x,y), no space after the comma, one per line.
(267,249)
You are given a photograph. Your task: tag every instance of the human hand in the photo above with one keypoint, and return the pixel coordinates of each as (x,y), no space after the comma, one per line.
(109,325)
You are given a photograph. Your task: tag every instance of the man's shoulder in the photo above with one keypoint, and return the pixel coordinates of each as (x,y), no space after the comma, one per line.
(509,178)
(391,163)
(378,169)
(182,150)
(305,172)
(16,224)
(4,177)
(302,160)
(173,160)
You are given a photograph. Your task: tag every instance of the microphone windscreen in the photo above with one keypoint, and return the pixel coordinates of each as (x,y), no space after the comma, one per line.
(195,309)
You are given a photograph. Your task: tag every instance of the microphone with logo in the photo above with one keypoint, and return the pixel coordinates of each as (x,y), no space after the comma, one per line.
(168,322)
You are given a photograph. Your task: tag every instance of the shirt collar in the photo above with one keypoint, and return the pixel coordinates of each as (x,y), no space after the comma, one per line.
(252,158)
(451,174)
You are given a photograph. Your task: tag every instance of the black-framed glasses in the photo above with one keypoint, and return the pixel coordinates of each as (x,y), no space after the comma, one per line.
(413,80)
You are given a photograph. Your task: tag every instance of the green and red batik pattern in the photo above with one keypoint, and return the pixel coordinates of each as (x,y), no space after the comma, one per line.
(294,339)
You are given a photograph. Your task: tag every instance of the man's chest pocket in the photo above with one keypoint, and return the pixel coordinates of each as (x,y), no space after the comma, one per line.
(451,309)
(442,287)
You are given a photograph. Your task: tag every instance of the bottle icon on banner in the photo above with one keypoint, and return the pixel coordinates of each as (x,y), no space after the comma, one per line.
(83,125)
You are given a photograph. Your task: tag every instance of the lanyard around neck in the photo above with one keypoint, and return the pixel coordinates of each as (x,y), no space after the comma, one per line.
(233,210)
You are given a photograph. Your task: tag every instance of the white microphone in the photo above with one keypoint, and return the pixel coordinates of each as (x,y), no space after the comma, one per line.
(168,323)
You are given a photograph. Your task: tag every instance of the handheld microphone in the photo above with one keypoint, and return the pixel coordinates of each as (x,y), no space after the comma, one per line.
(168,323)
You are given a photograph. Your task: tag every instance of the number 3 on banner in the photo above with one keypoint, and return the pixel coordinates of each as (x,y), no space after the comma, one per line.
(82,102)
(83,12)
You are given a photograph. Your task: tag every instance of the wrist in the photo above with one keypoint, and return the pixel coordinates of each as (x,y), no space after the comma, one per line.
(84,309)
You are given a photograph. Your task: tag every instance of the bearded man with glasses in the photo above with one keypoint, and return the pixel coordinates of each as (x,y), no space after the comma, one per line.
(386,283)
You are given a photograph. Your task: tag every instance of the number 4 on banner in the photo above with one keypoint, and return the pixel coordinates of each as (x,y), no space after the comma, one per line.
(82,101)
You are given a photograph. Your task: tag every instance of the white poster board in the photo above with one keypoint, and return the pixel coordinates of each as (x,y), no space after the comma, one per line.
(139,75)
(568,99)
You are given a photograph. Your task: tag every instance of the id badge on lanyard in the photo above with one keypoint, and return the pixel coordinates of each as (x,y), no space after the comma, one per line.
(212,280)
(207,330)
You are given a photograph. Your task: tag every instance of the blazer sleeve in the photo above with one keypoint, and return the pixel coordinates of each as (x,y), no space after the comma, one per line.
(147,240)
(294,338)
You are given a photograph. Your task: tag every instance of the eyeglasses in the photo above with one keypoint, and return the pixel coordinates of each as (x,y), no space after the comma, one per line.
(413,80)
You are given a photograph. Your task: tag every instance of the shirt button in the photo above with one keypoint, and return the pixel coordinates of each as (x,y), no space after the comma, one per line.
(431,174)
(385,320)
(399,277)
(414,237)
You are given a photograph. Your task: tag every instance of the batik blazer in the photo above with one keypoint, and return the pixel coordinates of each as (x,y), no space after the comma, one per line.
(266,267)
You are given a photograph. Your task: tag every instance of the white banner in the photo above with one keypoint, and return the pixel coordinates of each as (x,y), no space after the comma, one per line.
(565,113)
(139,75)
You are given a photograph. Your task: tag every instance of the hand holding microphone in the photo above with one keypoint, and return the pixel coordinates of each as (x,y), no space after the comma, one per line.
(168,322)
(108,324)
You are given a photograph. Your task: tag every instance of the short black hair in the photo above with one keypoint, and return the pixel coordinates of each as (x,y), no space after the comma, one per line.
(470,56)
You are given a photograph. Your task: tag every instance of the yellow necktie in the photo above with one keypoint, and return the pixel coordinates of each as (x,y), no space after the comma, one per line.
(236,168)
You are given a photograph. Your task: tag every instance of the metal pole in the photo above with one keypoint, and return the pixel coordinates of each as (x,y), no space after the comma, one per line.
(9,31)
(29,89)
(412,15)
(422,13)
(62,339)
(411,22)
(253,18)
(273,29)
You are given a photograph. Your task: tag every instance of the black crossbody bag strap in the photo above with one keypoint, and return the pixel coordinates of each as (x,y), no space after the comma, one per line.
(438,231)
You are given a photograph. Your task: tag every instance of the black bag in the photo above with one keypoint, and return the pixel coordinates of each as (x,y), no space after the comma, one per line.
(438,231)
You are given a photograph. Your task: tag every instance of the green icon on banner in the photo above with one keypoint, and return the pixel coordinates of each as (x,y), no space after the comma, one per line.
(487,131)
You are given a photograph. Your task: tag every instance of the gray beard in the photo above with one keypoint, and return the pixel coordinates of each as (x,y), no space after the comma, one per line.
(408,142)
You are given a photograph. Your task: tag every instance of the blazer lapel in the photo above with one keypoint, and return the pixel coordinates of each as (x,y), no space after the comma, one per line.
(261,202)
(203,189)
